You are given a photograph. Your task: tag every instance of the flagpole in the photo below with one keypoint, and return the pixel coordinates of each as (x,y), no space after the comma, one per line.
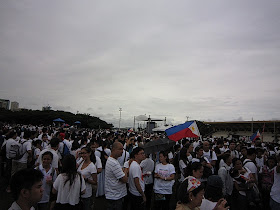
(263,131)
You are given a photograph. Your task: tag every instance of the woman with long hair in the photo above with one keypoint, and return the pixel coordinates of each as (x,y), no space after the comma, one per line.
(89,172)
(164,180)
(183,162)
(195,169)
(69,185)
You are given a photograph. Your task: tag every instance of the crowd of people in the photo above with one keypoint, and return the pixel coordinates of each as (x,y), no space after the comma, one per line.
(55,168)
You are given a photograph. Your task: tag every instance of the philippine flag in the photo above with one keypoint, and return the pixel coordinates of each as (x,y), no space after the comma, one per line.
(255,135)
(188,129)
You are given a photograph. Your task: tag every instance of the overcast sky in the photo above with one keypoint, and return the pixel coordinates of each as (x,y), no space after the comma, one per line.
(209,60)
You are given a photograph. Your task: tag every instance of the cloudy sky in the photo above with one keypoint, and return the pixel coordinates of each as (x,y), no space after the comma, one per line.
(209,60)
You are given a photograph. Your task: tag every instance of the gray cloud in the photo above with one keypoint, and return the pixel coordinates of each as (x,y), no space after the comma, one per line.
(212,60)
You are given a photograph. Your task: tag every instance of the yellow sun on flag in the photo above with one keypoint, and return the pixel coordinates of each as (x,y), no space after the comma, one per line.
(193,129)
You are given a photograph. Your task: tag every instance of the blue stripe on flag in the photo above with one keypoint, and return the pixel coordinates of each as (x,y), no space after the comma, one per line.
(178,128)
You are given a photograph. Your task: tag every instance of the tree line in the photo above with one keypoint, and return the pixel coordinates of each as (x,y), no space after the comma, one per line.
(37,117)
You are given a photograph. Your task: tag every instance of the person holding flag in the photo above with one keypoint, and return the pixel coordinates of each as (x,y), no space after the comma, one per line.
(255,136)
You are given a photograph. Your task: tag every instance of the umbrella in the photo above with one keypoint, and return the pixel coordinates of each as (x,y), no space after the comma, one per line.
(77,122)
(58,120)
(158,145)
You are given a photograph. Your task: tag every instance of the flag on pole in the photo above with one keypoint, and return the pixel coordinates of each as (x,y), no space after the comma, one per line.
(255,135)
(130,130)
(188,129)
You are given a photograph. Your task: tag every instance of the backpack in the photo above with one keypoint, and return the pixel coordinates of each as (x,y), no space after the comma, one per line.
(16,151)
(65,151)
(102,157)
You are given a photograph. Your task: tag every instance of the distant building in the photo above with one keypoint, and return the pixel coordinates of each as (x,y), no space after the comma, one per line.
(14,106)
(46,108)
(4,103)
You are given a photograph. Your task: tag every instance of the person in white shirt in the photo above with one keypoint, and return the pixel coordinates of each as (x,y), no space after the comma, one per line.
(89,172)
(209,154)
(275,190)
(148,166)
(233,152)
(69,185)
(49,177)
(26,188)
(136,181)
(103,153)
(223,172)
(116,179)
(26,151)
(123,158)
(164,180)
(249,162)
(196,143)
(260,159)
(53,149)
(8,144)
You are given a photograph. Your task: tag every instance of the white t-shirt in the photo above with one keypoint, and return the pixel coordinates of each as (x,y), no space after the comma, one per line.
(182,166)
(87,174)
(275,190)
(208,155)
(260,162)
(47,187)
(40,137)
(170,155)
(66,193)
(107,151)
(98,163)
(15,206)
(234,154)
(148,166)
(195,144)
(26,146)
(55,157)
(114,188)
(122,159)
(162,186)
(198,160)
(251,166)
(134,172)
(68,144)
(126,164)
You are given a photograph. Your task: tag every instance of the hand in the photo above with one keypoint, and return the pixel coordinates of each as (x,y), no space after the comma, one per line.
(221,205)
(144,198)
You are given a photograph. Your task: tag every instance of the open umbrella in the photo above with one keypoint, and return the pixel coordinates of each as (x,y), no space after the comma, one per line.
(158,145)
(77,122)
(58,120)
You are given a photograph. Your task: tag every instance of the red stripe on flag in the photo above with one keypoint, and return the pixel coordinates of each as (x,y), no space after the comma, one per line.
(182,134)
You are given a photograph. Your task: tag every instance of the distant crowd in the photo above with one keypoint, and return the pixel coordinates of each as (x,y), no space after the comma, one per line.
(57,168)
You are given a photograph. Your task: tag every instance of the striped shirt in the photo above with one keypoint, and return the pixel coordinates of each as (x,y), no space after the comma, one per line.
(114,188)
